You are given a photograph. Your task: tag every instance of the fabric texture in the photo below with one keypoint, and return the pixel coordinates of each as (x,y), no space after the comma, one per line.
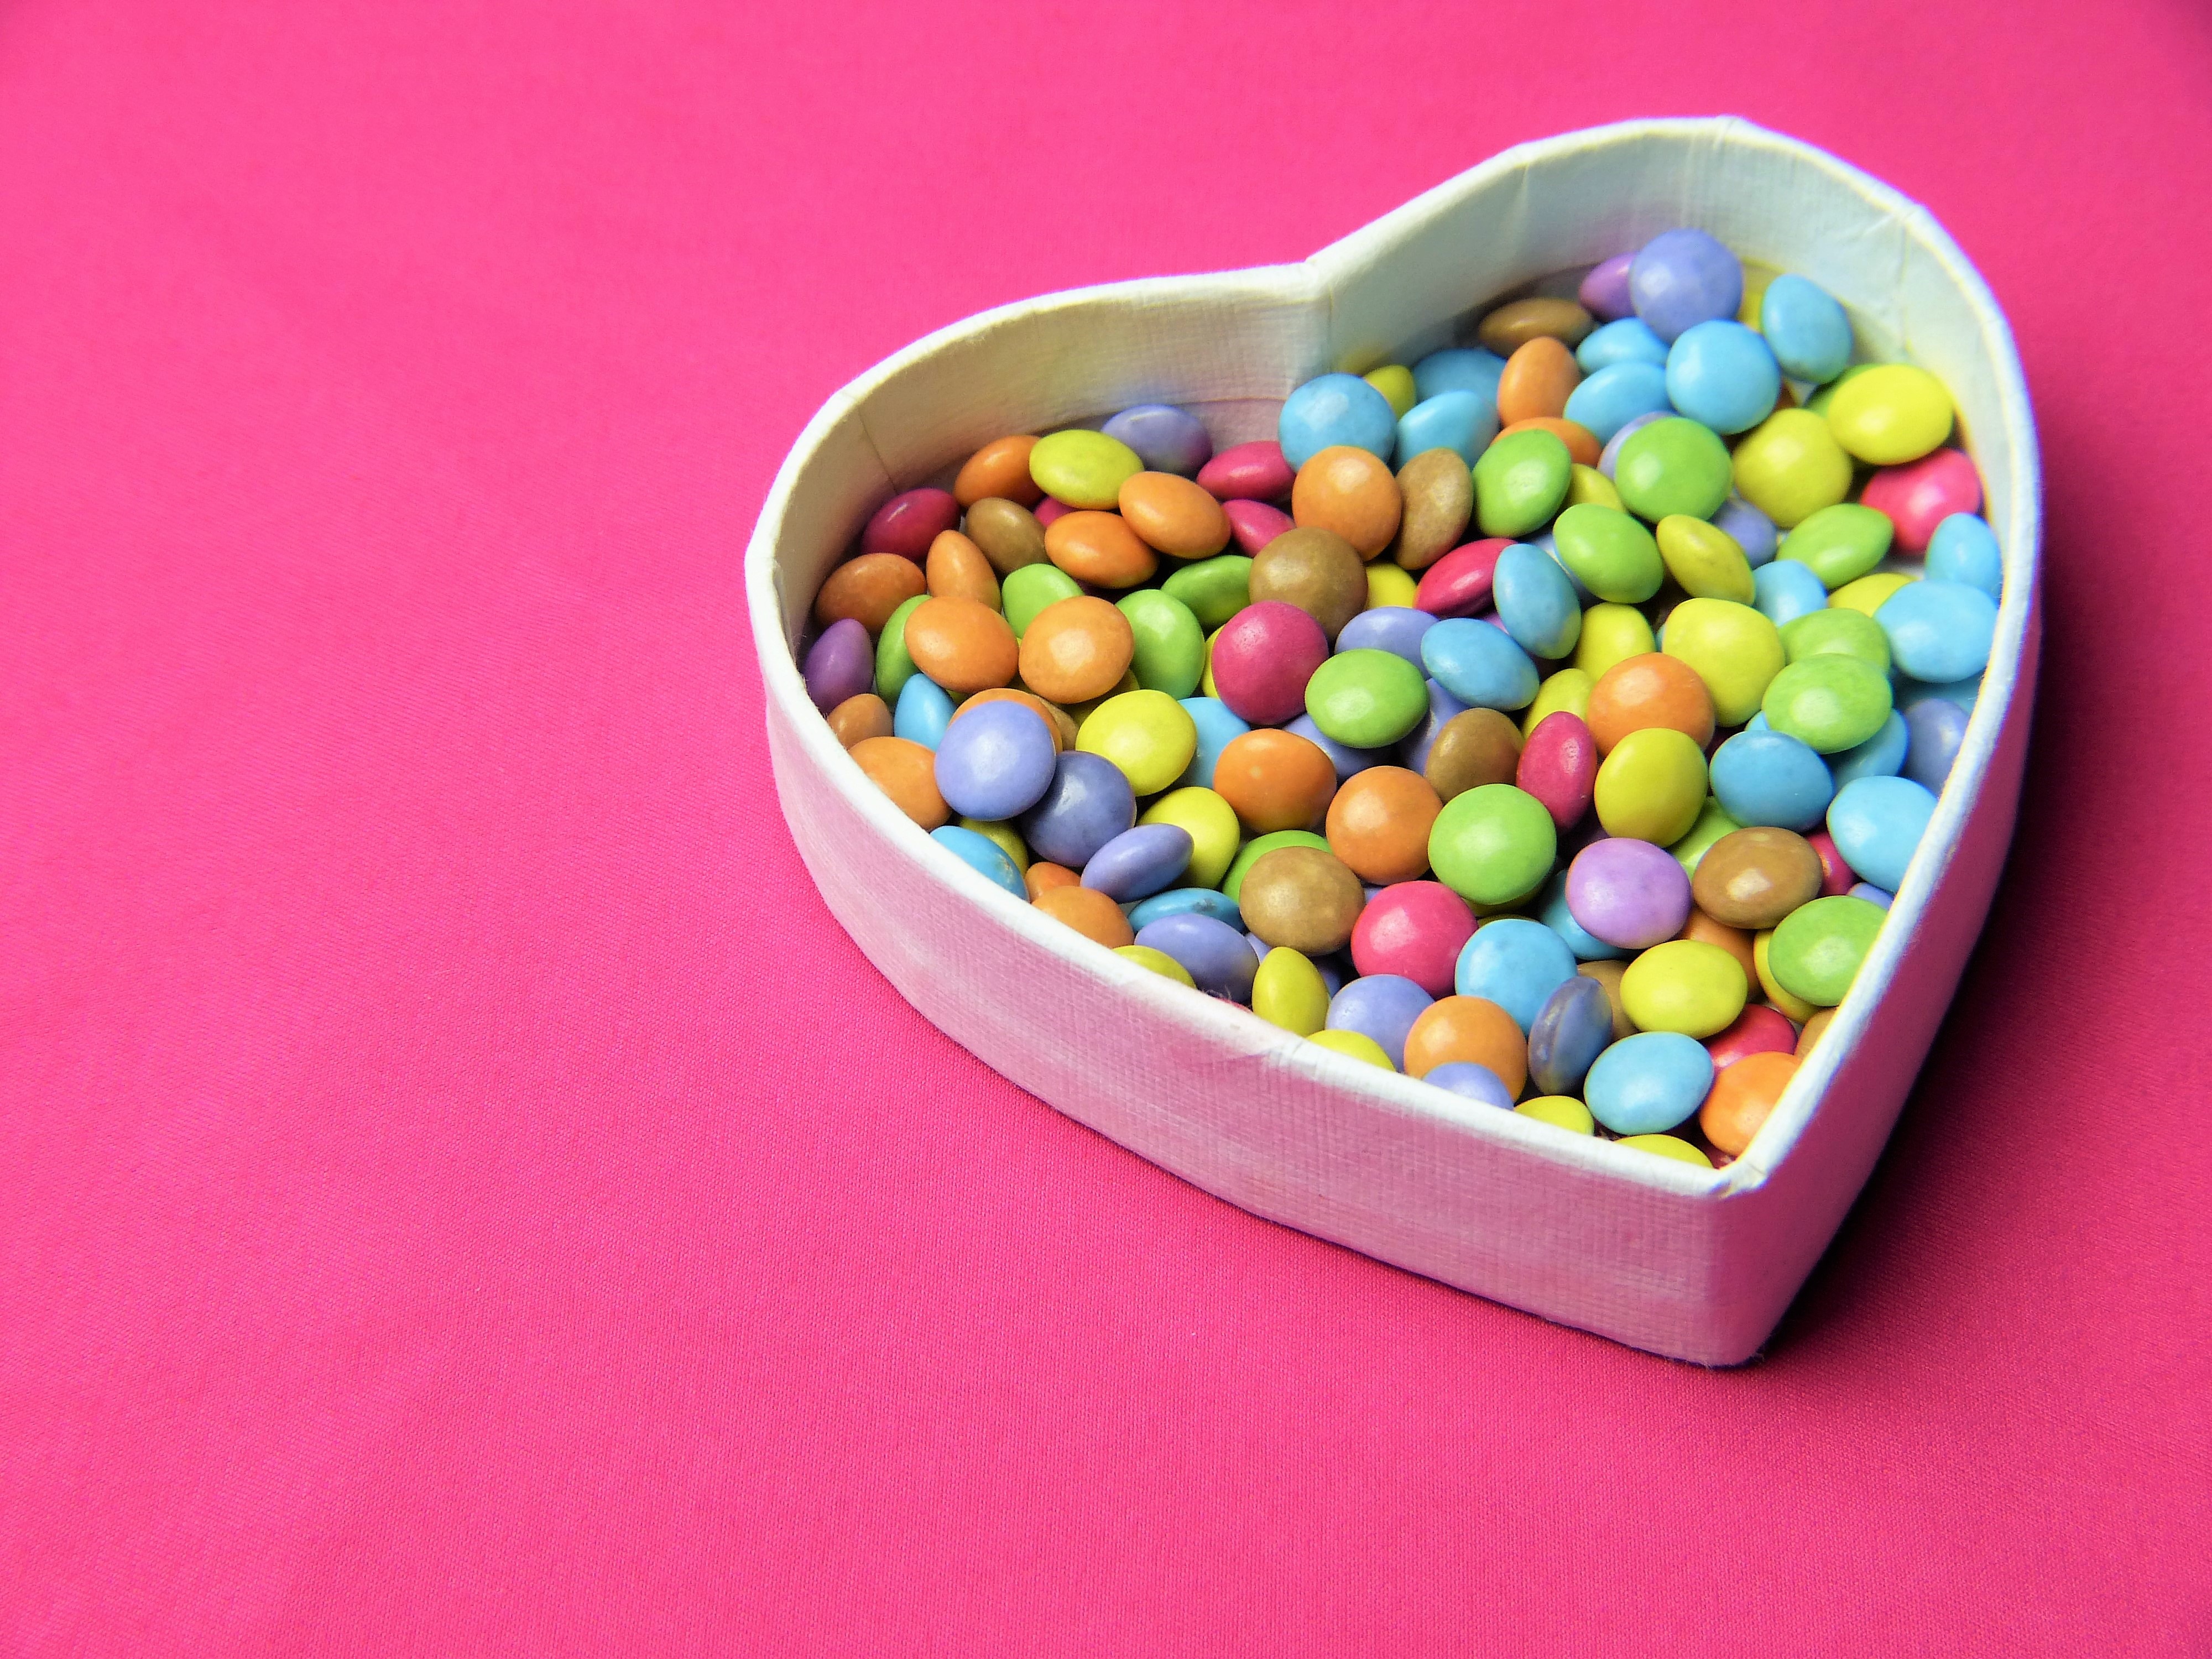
(460,1192)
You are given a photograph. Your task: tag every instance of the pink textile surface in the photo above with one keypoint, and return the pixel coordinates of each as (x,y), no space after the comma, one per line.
(459,1192)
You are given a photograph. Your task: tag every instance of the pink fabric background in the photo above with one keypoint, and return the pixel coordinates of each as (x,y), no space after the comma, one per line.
(458,1191)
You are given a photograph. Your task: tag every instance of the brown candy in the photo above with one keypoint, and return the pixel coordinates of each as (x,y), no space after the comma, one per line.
(1437,488)
(1752,878)
(1302,898)
(1173,515)
(1475,747)
(1008,533)
(1000,468)
(858,719)
(1350,491)
(1317,570)
(1515,323)
(868,589)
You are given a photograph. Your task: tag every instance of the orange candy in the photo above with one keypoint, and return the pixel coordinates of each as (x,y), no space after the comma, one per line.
(1582,446)
(906,772)
(1648,690)
(1274,780)
(1099,548)
(857,719)
(1733,940)
(1743,1097)
(963,645)
(999,468)
(1088,911)
(1468,1028)
(1536,382)
(1063,729)
(1348,491)
(1042,878)
(1076,649)
(1173,515)
(1378,824)
(957,569)
(868,589)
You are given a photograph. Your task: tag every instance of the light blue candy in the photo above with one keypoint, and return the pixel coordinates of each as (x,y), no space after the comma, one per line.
(1478,664)
(1346,760)
(1939,631)
(924,710)
(1460,368)
(1787,589)
(1649,1083)
(1516,963)
(1766,777)
(1184,902)
(1909,694)
(1877,824)
(1217,726)
(1808,331)
(1724,375)
(1463,421)
(1396,629)
(1555,916)
(1628,341)
(1964,548)
(1938,728)
(981,854)
(1442,707)
(1754,530)
(1335,409)
(1881,755)
(1471,1080)
(1609,400)
(1536,600)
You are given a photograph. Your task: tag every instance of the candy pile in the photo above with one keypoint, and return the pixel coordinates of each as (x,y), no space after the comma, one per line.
(1576,759)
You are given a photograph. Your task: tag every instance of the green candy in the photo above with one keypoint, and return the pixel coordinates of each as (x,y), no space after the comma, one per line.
(1493,844)
(1673,465)
(1170,645)
(1610,553)
(1519,482)
(1830,702)
(1257,848)
(1215,589)
(1839,543)
(1712,823)
(1816,951)
(1084,468)
(893,667)
(1367,699)
(1838,631)
(1029,590)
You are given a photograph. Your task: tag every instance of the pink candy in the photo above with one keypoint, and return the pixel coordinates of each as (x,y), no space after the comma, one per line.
(1414,928)
(1921,495)
(1262,659)
(1558,767)
(1254,524)
(1247,472)
(1458,584)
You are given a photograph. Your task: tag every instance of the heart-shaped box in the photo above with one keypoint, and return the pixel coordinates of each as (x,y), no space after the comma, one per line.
(1693,1263)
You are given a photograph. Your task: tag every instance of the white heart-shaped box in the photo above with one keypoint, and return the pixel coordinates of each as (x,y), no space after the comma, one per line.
(1693,1263)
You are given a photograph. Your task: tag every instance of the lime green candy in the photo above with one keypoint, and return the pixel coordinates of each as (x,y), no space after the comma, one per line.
(1567,691)
(1084,468)
(1684,985)
(1289,991)
(1170,645)
(1838,631)
(1004,834)
(1519,482)
(1258,848)
(1816,950)
(1609,553)
(1789,466)
(1214,589)
(1148,734)
(1869,594)
(1706,561)
(1652,785)
(1672,465)
(1211,824)
(1840,544)
(1493,844)
(1396,382)
(1025,592)
(1611,633)
(1735,649)
(1830,702)
(1892,414)
(1713,822)
(893,667)
(1367,699)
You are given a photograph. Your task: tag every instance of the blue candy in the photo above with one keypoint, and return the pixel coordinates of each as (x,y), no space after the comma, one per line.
(1628,341)
(1464,422)
(1876,824)
(983,855)
(1535,599)
(1765,777)
(1939,631)
(1184,902)
(1649,1083)
(1347,761)
(1609,400)
(1471,1080)
(1964,548)
(1938,726)
(1909,694)
(1724,374)
(1572,1028)
(995,762)
(1140,862)
(1335,409)
(1680,278)
(1754,530)
(1479,664)
(1514,963)
(1808,331)
(923,711)
(1786,590)
(1087,804)
(1396,629)
(1872,894)
(1442,707)
(1218,728)
(1881,755)
(1383,1006)
(1460,368)
(1217,956)
(1166,440)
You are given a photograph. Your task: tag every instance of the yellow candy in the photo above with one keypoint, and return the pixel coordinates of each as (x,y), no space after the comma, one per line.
(1148,734)
(1706,560)
(1212,825)
(1002,832)
(1652,785)
(1563,1110)
(1611,633)
(1757,279)
(1587,484)
(1387,585)
(1666,1146)
(1684,985)
(1158,960)
(1084,468)
(1713,822)
(1789,466)
(1735,650)
(1396,382)
(1869,594)
(1892,414)
(1289,991)
(1797,1008)
(1081,712)
(1567,690)
(1355,1044)
(1206,687)
(1819,402)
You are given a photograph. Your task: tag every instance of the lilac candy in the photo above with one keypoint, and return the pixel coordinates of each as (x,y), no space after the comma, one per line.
(1442,707)
(1345,761)
(1680,278)
(1166,440)
(1472,1080)
(1872,894)
(1140,862)
(1087,804)
(995,762)
(1216,956)
(1610,455)
(1752,531)
(1571,1031)
(1382,1005)
(841,664)
(1396,629)
(1936,727)
(1628,893)
(1604,292)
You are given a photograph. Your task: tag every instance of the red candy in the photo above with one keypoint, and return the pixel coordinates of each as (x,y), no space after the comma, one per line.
(1247,472)
(1415,928)
(1920,495)
(1254,524)
(1458,584)
(1558,767)
(906,525)
(1758,1029)
(1837,877)
(1262,659)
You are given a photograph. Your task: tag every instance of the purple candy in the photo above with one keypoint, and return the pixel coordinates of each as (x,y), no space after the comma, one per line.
(1604,292)
(1087,804)
(1335,972)
(1935,727)
(1137,863)
(1396,629)
(1610,455)
(1345,761)
(1166,440)
(1680,278)
(1628,893)
(1872,894)
(1474,1081)
(1571,1031)
(907,524)
(1382,1005)
(1442,707)
(842,665)
(996,761)
(1215,955)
